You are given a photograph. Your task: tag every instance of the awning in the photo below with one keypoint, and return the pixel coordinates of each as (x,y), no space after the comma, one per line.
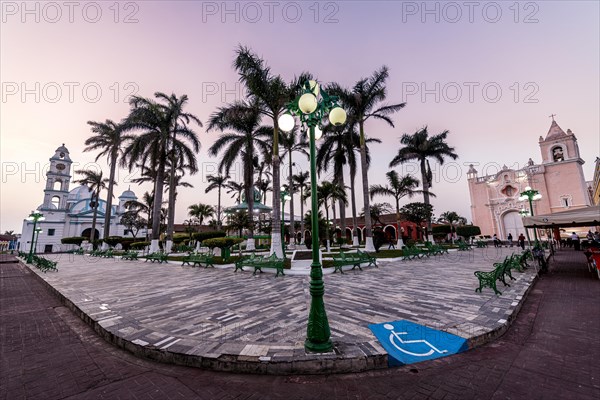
(588,216)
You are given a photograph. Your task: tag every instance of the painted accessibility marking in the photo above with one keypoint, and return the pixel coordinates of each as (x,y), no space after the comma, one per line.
(409,343)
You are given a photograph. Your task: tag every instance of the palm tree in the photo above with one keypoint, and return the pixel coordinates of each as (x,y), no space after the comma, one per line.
(377,210)
(245,140)
(326,192)
(165,136)
(145,206)
(302,183)
(201,211)
(272,95)
(217,182)
(398,188)
(264,186)
(109,140)
(290,141)
(235,189)
(95,183)
(361,103)
(339,148)
(420,147)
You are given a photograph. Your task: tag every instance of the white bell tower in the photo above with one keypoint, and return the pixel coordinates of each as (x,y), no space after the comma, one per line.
(57,180)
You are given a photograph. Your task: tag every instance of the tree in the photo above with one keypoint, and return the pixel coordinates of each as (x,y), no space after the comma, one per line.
(217,182)
(95,183)
(201,211)
(290,143)
(145,206)
(302,182)
(377,211)
(338,148)
(108,139)
(245,139)
(361,103)
(165,136)
(133,222)
(417,212)
(235,189)
(239,221)
(272,95)
(398,188)
(326,192)
(420,147)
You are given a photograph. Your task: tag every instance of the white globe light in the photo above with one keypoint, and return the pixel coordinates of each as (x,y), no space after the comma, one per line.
(318,133)
(527,188)
(337,116)
(314,87)
(286,122)
(307,103)
(537,196)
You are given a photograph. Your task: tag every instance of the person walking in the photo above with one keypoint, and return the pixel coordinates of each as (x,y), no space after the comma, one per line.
(496,241)
(510,239)
(575,241)
(521,240)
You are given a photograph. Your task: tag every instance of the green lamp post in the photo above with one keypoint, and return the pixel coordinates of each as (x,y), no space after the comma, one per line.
(525,213)
(35,216)
(37,238)
(285,196)
(311,107)
(531,194)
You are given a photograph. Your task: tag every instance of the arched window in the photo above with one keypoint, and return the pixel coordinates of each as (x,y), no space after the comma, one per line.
(56,201)
(57,185)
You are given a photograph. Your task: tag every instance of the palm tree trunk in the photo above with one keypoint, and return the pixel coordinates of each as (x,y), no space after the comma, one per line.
(425,192)
(342,206)
(291,189)
(399,241)
(276,218)
(172,199)
(109,196)
(156,207)
(219,208)
(365,182)
(354,218)
(93,232)
(328,249)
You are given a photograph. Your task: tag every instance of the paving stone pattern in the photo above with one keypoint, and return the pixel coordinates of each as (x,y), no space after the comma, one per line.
(549,352)
(216,314)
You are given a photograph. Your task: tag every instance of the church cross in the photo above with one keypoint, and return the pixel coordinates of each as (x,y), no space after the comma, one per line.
(552,116)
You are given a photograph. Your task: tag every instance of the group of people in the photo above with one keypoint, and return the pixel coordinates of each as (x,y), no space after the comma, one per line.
(509,238)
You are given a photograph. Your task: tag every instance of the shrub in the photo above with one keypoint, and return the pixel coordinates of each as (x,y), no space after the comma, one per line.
(221,242)
(180,237)
(139,245)
(202,236)
(468,231)
(73,240)
(112,241)
(441,230)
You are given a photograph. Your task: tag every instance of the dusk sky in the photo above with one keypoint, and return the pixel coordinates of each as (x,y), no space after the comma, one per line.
(491,74)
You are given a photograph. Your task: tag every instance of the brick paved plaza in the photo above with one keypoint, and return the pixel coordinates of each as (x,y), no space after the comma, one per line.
(549,352)
(219,319)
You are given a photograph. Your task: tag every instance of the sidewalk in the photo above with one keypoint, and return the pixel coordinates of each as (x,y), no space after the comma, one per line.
(550,352)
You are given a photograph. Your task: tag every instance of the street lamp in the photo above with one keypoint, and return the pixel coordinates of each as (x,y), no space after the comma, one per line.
(285,196)
(531,194)
(35,216)
(311,107)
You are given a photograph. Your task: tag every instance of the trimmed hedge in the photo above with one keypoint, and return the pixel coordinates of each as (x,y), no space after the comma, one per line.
(468,230)
(441,229)
(73,240)
(112,241)
(139,245)
(221,242)
(202,236)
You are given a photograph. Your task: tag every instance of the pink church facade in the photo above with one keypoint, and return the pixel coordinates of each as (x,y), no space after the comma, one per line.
(559,178)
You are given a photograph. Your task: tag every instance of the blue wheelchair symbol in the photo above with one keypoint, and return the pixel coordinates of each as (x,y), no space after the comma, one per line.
(408,343)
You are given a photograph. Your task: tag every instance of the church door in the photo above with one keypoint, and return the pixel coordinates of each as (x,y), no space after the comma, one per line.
(513,223)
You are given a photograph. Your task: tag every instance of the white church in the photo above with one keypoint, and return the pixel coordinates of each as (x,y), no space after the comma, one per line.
(69,213)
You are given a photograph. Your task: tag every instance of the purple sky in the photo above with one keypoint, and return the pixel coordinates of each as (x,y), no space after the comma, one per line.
(542,56)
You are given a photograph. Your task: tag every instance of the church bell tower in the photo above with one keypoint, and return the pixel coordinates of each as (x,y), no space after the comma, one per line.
(57,181)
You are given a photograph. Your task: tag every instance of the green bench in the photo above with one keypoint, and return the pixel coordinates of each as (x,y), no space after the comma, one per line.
(96,253)
(411,252)
(78,251)
(367,258)
(158,257)
(199,259)
(435,249)
(464,246)
(481,243)
(258,263)
(130,255)
(501,270)
(343,259)
(108,254)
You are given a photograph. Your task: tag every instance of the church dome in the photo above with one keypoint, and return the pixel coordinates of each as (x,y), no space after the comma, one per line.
(128,194)
(62,149)
(79,193)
